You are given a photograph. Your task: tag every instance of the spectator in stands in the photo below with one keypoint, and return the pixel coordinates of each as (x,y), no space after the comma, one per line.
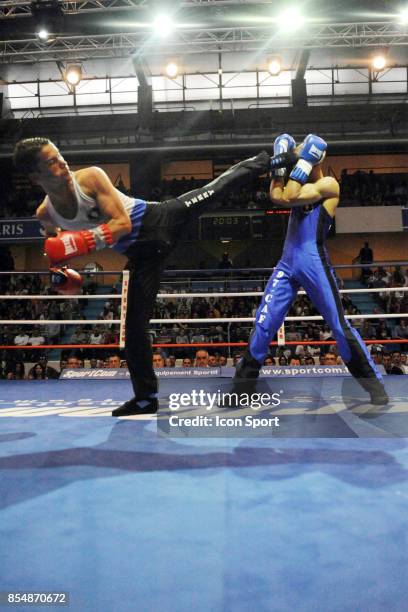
(16,371)
(50,372)
(225,262)
(62,364)
(158,360)
(377,354)
(367,331)
(187,362)
(182,336)
(22,338)
(283,360)
(383,331)
(401,330)
(170,361)
(330,358)
(73,362)
(198,337)
(223,361)
(309,361)
(292,335)
(201,358)
(114,361)
(366,256)
(389,367)
(397,362)
(236,357)
(96,336)
(294,361)
(52,331)
(93,363)
(269,361)
(212,361)
(36,338)
(79,336)
(37,372)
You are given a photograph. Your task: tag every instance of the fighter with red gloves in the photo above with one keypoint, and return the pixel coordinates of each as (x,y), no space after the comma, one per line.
(94,215)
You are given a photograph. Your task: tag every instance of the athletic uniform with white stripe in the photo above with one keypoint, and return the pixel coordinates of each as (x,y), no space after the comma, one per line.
(305,263)
(156,228)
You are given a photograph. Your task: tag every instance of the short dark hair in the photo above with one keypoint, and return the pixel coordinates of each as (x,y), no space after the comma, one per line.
(25,154)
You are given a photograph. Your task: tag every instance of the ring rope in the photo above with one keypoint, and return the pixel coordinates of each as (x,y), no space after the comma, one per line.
(115,296)
(26,347)
(218,271)
(401,315)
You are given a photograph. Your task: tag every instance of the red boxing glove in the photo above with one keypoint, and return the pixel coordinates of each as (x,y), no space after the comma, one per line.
(67,245)
(65,281)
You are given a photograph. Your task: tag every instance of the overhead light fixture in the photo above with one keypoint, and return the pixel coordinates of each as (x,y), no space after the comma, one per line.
(274,66)
(43,34)
(379,61)
(163,25)
(48,16)
(290,20)
(172,70)
(73,75)
(403,16)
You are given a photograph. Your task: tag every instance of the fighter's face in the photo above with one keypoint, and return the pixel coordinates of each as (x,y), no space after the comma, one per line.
(51,165)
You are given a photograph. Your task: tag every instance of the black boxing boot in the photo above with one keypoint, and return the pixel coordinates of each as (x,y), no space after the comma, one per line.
(137,406)
(244,381)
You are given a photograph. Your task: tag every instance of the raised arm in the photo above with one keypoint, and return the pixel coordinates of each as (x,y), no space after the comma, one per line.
(109,202)
(67,245)
(325,188)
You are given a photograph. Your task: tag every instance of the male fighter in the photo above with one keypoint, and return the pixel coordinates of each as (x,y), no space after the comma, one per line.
(305,263)
(97,216)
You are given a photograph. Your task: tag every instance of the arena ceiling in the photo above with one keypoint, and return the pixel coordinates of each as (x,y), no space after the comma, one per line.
(115,38)
(103,29)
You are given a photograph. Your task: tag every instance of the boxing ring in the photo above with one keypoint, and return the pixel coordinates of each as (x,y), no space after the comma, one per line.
(128,514)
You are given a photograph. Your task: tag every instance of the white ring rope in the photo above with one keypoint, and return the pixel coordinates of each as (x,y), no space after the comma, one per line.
(35,322)
(115,296)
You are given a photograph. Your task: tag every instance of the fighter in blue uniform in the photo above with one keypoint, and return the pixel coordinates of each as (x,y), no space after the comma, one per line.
(305,263)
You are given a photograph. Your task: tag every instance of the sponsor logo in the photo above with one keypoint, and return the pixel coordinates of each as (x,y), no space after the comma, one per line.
(69,244)
(316,152)
(199,197)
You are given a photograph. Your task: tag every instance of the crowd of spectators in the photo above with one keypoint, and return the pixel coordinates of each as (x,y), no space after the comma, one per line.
(392,302)
(371,189)
(30,338)
(358,188)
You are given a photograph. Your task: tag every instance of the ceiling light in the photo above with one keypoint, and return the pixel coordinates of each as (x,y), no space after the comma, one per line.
(403,16)
(73,75)
(290,20)
(163,25)
(43,34)
(48,17)
(379,62)
(172,70)
(274,66)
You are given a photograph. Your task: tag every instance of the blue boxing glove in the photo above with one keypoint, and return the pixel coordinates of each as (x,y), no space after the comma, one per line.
(283,144)
(312,153)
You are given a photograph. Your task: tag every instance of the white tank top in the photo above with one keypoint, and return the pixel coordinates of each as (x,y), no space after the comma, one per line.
(88,215)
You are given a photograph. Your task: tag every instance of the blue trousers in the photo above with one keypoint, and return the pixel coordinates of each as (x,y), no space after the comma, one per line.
(318,280)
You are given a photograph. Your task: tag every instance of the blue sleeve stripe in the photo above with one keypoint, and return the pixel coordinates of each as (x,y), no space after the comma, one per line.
(136,216)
